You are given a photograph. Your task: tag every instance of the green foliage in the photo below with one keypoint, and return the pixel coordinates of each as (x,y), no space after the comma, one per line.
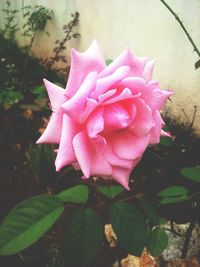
(10,26)
(75,194)
(36,20)
(108,61)
(166,141)
(41,160)
(130,227)
(27,222)
(39,91)
(158,241)
(149,210)
(20,73)
(83,238)
(174,200)
(173,194)
(110,191)
(192,173)
(38,17)
(173,191)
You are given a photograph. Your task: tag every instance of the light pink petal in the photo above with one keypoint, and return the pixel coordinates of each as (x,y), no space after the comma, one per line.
(158,97)
(82,64)
(166,134)
(106,95)
(156,129)
(91,104)
(148,70)
(114,160)
(95,123)
(135,84)
(128,146)
(151,93)
(121,175)
(65,155)
(52,133)
(131,108)
(56,94)
(126,58)
(75,106)
(125,94)
(142,122)
(116,117)
(110,81)
(89,158)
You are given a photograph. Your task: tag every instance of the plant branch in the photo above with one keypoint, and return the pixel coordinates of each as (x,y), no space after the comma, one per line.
(182,26)
(187,239)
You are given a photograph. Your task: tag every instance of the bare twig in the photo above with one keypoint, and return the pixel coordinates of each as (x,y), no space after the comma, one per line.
(182,26)
(187,239)
(194,116)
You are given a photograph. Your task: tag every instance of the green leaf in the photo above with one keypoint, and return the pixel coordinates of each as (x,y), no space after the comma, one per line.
(158,242)
(27,222)
(75,194)
(84,238)
(149,210)
(174,200)
(130,227)
(111,191)
(192,173)
(173,191)
(108,61)
(166,141)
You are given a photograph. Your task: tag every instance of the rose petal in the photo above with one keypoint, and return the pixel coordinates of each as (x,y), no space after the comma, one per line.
(56,94)
(116,117)
(89,158)
(128,146)
(106,95)
(91,104)
(95,123)
(65,155)
(82,64)
(148,70)
(125,94)
(52,133)
(75,106)
(156,129)
(143,122)
(114,160)
(121,175)
(126,58)
(110,81)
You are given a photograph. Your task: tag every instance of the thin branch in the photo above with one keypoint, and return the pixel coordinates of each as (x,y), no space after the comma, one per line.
(182,26)
(187,239)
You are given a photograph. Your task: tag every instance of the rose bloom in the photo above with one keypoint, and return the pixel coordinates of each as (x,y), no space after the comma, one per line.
(106,116)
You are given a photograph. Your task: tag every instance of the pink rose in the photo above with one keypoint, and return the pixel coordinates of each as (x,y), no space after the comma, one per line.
(107,115)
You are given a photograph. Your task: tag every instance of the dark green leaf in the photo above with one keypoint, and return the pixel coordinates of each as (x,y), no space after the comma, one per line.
(84,237)
(173,200)
(75,194)
(193,173)
(173,191)
(149,210)
(111,191)
(158,242)
(130,227)
(27,222)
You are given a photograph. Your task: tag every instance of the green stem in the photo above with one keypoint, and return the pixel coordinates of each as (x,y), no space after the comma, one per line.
(182,26)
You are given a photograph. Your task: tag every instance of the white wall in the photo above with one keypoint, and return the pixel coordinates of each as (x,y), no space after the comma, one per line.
(148,28)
